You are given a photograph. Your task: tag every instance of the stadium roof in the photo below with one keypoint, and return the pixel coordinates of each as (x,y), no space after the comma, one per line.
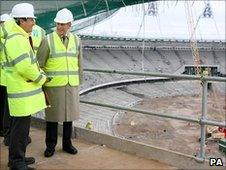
(170,21)
(107,18)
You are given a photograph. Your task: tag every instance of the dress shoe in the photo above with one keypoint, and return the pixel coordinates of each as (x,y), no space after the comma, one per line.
(70,149)
(28,161)
(49,152)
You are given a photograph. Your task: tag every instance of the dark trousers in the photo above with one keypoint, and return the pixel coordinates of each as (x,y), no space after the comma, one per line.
(18,138)
(5,118)
(3,99)
(7,121)
(51,134)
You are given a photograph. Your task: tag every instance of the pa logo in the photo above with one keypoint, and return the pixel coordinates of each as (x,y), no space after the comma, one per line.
(216,162)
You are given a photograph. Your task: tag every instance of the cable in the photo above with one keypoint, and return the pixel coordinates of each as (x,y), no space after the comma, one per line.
(83,7)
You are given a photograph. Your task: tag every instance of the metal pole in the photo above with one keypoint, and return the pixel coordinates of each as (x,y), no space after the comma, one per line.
(201,154)
(183,118)
(171,115)
(154,74)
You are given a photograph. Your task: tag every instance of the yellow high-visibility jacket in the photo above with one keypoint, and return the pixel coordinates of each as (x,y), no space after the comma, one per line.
(23,75)
(62,62)
(5,28)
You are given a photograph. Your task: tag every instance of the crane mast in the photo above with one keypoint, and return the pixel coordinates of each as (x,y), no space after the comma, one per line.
(193,40)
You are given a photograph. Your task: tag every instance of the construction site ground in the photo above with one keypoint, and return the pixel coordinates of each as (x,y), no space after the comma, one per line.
(90,156)
(172,134)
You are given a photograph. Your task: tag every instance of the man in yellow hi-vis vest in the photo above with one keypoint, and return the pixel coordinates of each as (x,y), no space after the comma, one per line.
(60,55)
(24,83)
(37,35)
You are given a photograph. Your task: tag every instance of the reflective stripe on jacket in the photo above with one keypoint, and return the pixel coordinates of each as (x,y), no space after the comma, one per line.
(62,63)
(23,76)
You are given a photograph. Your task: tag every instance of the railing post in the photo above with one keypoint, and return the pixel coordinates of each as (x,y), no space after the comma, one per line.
(201,155)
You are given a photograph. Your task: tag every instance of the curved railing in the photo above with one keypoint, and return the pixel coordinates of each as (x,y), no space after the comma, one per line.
(121,82)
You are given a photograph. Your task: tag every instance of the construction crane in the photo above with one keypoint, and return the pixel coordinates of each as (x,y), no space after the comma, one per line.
(192,34)
(207,13)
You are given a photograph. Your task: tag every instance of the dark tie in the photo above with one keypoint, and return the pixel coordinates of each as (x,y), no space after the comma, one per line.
(31,42)
(64,38)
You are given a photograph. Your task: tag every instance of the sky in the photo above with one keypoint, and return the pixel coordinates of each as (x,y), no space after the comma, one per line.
(169,23)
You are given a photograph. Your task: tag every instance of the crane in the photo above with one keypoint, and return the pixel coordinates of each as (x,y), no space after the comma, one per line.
(192,34)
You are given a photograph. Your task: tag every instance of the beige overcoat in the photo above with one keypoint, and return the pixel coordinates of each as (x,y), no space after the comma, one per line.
(64,100)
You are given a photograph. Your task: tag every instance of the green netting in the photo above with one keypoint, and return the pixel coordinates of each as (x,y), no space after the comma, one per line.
(85,8)
(46,10)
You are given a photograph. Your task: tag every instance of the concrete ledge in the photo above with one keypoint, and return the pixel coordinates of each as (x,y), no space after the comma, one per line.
(179,160)
(176,159)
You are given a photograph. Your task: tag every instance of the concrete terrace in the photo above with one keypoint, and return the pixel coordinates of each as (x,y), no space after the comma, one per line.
(90,156)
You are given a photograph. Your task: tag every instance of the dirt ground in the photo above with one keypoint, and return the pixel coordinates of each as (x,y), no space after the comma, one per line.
(172,134)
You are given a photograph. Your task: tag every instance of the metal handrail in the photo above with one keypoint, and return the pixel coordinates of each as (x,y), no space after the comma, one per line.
(164,115)
(154,74)
(202,121)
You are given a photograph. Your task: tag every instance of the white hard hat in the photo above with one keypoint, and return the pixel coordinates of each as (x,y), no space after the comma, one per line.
(23,10)
(64,16)
(4,17)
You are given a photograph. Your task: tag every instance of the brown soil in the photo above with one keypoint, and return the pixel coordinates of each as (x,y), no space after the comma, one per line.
(172,134)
